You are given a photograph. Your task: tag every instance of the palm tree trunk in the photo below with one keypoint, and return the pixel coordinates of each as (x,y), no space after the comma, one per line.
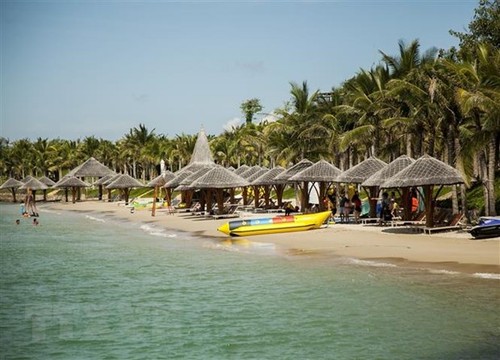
(490,184)
(483,175)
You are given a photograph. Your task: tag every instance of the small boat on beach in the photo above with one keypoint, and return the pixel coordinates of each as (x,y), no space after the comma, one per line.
(488,227)
(273,225)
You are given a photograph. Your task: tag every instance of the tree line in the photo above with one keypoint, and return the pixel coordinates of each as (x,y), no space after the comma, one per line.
(445,103)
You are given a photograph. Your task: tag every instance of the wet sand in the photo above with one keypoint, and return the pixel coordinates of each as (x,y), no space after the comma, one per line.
(453,251)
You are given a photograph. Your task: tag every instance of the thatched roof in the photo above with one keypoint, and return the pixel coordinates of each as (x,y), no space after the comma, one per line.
(321,171)
(362,171)
(295,169)
(249,172)
(176,181)
(201,152)
(201,157)
(34,184)
(388,171)
(105,179)
(219,178)
(185,184)
(268,177)
(426,170)
(11,183)
(71,181)
(26,179)
(124,181)
(92,168)
(47,181)
(241,169)
(256,175)
(161,180)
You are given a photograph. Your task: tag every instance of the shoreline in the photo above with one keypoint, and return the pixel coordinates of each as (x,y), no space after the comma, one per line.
(450,251)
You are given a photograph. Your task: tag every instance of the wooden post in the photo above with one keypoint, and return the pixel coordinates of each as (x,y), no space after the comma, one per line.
(429,206)
(155,194)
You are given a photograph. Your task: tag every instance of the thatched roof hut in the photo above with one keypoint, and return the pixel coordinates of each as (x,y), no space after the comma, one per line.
(176,181)
(426,171)
(266,181)
(33,184)
(47,181)
(12,184)
(295,169)
(161,179)
(359,173)
(125,182)
(72,182)
(240,170)
(388,171)
(321,172)
(159,182)
(218,179)
(267,178)
(201,157)
(91,168)
(250,171)
(362,171)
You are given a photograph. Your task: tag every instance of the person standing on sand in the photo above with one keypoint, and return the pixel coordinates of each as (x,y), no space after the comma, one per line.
(356,203)
(347,208)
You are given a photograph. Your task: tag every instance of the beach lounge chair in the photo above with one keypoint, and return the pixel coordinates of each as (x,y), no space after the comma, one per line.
(230,212)
(452,225)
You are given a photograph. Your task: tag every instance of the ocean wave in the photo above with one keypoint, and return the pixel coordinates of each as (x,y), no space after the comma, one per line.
(94,218)
(369,263)
(442,271)
(151,230)
(487,276)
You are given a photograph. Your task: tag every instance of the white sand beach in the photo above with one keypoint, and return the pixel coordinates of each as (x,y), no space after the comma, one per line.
(455,250)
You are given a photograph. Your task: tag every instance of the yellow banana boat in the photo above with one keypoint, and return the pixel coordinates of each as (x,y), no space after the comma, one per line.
(273,225)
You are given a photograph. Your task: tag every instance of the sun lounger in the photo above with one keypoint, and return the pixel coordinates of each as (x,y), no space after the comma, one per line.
(453,225)
(229,213)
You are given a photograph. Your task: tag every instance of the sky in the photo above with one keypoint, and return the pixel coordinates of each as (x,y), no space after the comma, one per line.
(72,69)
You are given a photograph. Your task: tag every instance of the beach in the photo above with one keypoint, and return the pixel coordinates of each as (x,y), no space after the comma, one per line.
(453,251)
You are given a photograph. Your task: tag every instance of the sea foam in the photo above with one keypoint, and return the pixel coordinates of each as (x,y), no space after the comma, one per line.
(487,276)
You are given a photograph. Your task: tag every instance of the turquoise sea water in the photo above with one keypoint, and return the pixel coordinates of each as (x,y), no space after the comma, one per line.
(89,286)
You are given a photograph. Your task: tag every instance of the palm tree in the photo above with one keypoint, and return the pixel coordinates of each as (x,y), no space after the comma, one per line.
(479,100)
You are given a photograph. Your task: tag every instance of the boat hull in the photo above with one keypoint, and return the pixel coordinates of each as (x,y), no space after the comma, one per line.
(274,225)
(488,227)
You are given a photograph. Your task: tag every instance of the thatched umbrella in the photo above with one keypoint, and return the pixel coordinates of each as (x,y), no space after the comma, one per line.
(359,173)
(71,182)
(47,182)
(32,185)
(91,168)
(245,175)
(321,172)
(241,169)
(218,179)
(124,182)
(159,182)
(106,180)
(388,172)
(426,171)
(187,190)
(12,184)
(266,181)
(285,176)
(256,188)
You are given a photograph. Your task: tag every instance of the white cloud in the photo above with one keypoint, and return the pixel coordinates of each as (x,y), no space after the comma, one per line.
(231,124)
(269,118)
